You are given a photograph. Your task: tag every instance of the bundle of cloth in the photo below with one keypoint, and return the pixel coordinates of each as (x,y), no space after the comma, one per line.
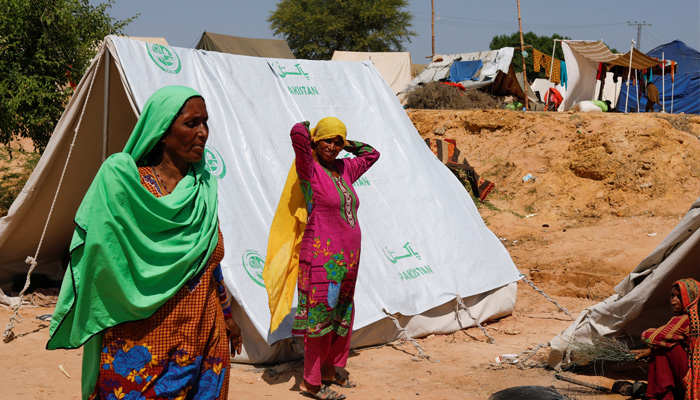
(592,106)
(448,153)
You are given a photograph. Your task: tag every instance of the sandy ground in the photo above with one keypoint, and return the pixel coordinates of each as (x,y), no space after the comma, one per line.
(608,188)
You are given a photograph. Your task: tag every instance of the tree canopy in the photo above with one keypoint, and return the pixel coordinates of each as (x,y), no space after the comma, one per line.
(541,43)
(314,29)
(45,46)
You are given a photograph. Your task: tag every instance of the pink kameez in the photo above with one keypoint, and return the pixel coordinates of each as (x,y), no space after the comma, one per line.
(330,253)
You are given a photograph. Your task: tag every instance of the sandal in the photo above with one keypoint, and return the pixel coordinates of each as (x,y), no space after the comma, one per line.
(324,394)
(340,381)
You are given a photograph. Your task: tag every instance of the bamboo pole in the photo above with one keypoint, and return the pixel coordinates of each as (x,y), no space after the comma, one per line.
(522,45)
(432,24)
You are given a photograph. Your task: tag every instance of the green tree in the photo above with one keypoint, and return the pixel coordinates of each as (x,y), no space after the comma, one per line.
(314,29)
(541,43)
(44,46)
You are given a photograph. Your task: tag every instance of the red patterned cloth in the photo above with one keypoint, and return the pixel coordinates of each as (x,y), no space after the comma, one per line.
(673,333)
(689,289)
(181,351)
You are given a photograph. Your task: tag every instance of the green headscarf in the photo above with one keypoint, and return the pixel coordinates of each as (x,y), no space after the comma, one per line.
(131,251)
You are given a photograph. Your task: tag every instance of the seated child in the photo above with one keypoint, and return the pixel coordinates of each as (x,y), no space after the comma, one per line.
(670,374)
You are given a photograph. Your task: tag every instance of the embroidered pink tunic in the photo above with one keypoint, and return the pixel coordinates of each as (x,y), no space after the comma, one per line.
(330,248)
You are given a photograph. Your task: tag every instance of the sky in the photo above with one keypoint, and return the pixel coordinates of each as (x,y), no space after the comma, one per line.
(461,26)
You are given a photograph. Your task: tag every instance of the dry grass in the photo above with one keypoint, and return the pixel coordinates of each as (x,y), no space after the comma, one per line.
(602,349)
(437,96)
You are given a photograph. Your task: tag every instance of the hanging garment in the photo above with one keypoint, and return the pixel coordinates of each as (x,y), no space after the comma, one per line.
(564,77)
(542,60)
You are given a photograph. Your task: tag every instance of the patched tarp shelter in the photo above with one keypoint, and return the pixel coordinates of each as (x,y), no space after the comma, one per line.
(496,71)
(395,67)
(426,253)
(641,299)
(273,48)
(679,93)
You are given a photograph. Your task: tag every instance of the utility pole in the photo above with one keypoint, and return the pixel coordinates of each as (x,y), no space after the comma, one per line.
(522,49)
(639,31)
(432,24)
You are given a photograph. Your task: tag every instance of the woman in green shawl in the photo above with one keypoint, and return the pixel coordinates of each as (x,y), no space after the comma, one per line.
(144,291)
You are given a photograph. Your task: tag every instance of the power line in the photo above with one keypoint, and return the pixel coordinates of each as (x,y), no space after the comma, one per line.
(482,22)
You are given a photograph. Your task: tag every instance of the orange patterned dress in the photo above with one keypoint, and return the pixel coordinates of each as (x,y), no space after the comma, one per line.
(181,351)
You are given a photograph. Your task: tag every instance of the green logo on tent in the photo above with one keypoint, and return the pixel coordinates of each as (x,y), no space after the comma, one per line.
(253,263)
(298,90)
(406,252)
(214,163)
(165,57)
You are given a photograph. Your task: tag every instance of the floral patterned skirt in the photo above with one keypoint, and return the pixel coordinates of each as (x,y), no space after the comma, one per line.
(179,352)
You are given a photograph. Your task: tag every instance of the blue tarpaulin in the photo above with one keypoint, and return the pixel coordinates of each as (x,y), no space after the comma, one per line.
(686,89)
(461,71)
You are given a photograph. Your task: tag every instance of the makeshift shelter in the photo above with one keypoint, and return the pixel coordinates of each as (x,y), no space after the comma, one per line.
(582,59)
(395,67)
(679,92)
(428,258)
(273,48)
(641,299)
(534,102)
(496,71)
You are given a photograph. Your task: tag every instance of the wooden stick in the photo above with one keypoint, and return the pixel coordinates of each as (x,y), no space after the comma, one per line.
(586,384)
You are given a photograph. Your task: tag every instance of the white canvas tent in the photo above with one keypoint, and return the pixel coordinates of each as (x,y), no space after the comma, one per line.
(395,67)
(641,299)
(426,252)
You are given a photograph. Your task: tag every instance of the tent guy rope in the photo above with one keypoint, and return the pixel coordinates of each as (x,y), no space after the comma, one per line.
(421,353)
(459,304)
(529,282)
(9,335)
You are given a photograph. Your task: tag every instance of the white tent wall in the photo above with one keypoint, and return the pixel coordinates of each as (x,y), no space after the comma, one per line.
(641,300)
(424,243)
(611,90)
(581,73)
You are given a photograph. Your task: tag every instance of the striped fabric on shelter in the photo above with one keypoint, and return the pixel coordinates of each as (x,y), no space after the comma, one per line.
(594,51)
(639,60)
(599,52)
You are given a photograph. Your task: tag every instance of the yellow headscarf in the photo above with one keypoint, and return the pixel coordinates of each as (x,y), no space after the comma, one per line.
(282,260)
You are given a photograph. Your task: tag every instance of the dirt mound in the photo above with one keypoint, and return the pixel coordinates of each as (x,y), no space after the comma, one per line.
(585,165)
(605,190)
